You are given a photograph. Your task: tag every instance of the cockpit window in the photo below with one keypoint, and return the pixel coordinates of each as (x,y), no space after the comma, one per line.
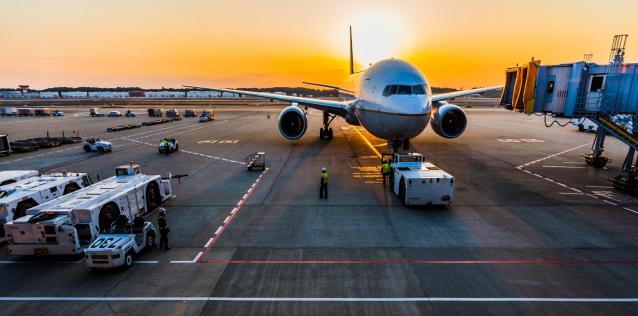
(404,89)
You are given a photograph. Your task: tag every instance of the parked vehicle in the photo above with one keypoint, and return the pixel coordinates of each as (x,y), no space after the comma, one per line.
(96,144)
(117,247)
(168,146)
(129,113)
(115,114)
(57,113)
(190,113)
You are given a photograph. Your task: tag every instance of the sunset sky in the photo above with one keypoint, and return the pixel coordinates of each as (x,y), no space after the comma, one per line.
(251,43)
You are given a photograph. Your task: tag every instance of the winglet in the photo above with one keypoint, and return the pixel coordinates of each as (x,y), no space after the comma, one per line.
(351,57)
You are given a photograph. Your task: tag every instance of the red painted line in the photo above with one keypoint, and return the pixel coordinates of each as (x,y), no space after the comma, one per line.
(424,262)
(222,228)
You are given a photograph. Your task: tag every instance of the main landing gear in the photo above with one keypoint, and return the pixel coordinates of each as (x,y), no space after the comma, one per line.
(403,144)
(326,131)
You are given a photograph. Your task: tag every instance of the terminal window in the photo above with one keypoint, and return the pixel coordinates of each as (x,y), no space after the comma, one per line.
(596,83)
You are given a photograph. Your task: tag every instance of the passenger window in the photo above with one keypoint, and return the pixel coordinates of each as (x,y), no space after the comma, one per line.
(404,90)
(386,91)
(597,83)
(393,90)
(53,189)
(418,89)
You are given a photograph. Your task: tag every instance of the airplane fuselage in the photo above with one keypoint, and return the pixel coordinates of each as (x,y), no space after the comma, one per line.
(393,99)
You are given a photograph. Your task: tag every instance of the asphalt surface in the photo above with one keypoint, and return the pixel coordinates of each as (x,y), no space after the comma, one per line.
(532,228)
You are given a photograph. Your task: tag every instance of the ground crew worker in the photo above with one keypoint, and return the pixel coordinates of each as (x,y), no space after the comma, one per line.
(323,189)
(165,145)
(385,170)
(163,228)
(268,115)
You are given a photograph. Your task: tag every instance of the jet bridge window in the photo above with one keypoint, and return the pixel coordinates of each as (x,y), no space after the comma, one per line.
(597,83)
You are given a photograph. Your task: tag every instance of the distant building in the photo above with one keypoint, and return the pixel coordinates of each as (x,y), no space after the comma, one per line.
(166,94)
(49,94)
(108,94)
(74,94)
(198,94)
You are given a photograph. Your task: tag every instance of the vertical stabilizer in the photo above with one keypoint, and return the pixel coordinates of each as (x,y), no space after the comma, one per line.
(351,57)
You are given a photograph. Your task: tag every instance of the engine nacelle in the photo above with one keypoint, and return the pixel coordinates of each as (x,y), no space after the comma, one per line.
(292,123)
(448,120)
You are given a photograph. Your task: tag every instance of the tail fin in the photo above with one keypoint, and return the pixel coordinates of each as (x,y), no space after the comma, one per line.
(351,57)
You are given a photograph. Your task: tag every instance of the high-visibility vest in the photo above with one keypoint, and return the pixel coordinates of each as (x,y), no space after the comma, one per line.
(324,178)
(385,168)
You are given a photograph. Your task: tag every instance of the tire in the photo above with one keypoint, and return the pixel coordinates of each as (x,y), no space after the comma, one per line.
(330,133)
(153,197)
(87,148)
(321,133)
(599,162)
(402,192)
(108,214)
(22,207)
(176,147)
(71,187)
(391,180)
(581,128)
(128,259)
(100,149)
(150,239)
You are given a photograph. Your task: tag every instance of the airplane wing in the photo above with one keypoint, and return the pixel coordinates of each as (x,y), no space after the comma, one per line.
(334,107)
(456,94)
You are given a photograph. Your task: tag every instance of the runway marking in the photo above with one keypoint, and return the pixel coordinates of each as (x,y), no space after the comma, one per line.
(220,230)
(599,186)
(317,299)
(631,210)
(199,254)
(187,151)
(422,262)
(368,142)
(566,167)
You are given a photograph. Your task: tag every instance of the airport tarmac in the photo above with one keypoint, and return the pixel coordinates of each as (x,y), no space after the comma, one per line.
(532,228)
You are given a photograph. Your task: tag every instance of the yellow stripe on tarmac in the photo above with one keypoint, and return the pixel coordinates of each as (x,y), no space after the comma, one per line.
(368,142)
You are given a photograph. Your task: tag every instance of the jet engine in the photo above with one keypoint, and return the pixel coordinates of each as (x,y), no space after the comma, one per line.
(448,120)
(292,123)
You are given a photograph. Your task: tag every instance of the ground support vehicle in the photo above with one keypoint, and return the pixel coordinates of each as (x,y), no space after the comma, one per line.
(118,247)
(94,112)
(115,114)
(94,144)
(129,113)
(190,113)
(155,112)
(13,176)
(256,161)
(207,116)
(57,113)
(18,197)
(172,113)
(68,224)
(170,146)
(123,127)
(417,182)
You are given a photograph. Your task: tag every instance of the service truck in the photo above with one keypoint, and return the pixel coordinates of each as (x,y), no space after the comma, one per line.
(417,182)
(18,197)
(71,223)
(117,247)
(12,176)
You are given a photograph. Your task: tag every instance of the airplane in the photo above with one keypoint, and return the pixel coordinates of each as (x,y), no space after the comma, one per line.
(391,99)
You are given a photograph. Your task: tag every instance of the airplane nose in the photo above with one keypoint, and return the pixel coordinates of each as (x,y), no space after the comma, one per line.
(413,105)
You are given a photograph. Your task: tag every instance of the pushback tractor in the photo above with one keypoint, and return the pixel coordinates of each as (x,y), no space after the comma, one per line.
(71,223)
(417,182)
(12,176)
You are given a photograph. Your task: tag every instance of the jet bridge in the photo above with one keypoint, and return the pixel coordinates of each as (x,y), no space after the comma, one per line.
(607,94)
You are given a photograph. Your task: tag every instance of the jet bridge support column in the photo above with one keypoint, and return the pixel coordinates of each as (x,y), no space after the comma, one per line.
(596,157)
(626,181)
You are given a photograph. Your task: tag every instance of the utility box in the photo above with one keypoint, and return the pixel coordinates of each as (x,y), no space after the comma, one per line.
(5,147)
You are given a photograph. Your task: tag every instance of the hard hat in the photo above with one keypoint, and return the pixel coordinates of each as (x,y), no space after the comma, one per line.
(162,210)
(324,169)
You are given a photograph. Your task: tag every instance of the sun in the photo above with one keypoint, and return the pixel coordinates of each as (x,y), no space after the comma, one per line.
(377,35)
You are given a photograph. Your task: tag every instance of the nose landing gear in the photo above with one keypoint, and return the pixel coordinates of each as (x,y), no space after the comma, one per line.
(326,131)
(399,144)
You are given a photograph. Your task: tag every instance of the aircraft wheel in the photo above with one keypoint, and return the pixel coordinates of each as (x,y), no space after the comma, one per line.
(330,133)
(321,133)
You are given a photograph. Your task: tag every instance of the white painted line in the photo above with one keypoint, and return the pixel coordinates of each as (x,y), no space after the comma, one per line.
(234,211)
(628,209)
(599,186)
(244,197)
(318,299)
(182,261)
(610,202)
(566,167)
(218,230)
(571,193)
(208,243)
(227,219)
(198,256)
(147,261)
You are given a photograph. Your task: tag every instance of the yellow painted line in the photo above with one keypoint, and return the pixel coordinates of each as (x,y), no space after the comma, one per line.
(369,143)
